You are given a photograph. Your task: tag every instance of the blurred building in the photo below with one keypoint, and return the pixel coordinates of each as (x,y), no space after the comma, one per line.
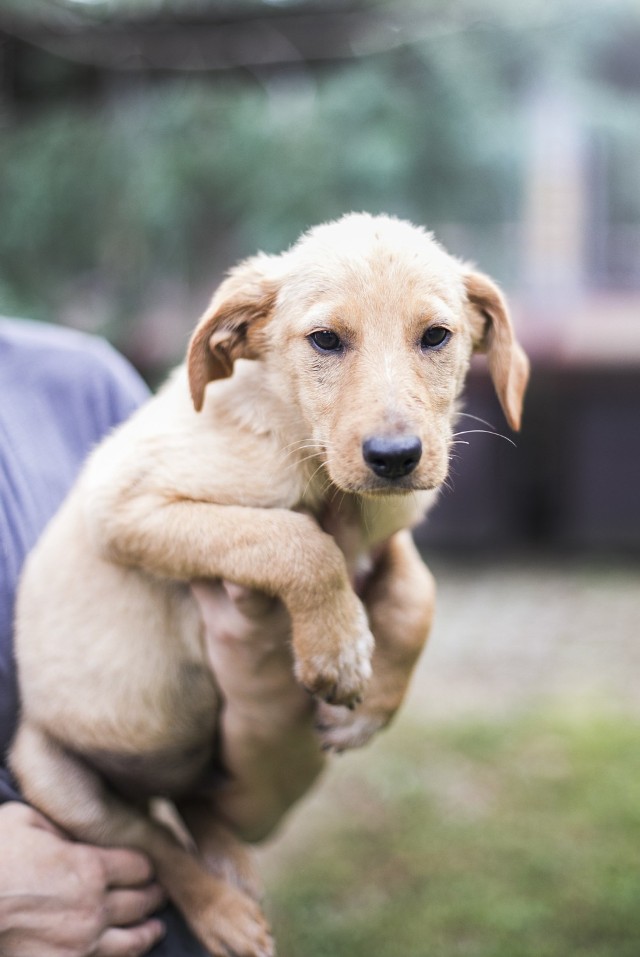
(574,480)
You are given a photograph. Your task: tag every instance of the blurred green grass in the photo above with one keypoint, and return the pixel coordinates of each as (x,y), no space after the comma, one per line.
(489,838)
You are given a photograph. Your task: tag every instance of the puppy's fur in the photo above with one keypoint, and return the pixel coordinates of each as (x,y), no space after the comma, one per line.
(248,467)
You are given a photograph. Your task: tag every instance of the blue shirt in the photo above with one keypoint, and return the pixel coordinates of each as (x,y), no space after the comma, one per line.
(60,392)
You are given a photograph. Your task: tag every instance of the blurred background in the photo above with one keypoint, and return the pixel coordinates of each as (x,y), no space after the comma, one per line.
(146,145)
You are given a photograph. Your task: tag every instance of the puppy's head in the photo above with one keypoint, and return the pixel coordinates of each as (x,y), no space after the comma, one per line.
(365,328)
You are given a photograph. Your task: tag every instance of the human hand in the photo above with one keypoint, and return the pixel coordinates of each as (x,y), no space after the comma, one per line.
(59,898)
(247,636)
(268,740)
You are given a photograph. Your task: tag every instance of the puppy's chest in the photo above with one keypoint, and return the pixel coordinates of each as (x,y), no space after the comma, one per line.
(360,527)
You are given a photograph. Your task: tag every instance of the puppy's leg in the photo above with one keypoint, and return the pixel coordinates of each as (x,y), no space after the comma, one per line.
(267,726)
(399,598)
(282,553)
(57,782)
(221,852)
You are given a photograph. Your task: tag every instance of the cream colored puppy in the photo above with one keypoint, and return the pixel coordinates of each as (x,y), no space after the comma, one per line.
(309,429)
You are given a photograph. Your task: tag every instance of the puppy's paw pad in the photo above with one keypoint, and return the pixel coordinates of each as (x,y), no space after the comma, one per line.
(338,682)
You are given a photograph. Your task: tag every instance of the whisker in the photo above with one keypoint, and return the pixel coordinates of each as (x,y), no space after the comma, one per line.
(292,452)
(498,435)
(296,463)
(311,478)
(302,447)
(449,484)
(308,458)
(468,415)
(377,507)
(363,513)
(337,491)
(343,495)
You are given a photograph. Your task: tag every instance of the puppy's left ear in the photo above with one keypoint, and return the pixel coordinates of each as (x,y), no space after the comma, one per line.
(230,326)
(508,364)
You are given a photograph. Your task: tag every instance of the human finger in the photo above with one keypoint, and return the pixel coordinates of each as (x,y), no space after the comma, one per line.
(125,907)
(129,941)
(227,607)
(24,815)
(124,867)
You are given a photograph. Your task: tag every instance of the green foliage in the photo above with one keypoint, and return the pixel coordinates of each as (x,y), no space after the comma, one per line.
(174,180)
(180,178)
(479,841)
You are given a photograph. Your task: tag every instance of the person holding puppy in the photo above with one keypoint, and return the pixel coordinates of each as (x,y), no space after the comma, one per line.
(62,391)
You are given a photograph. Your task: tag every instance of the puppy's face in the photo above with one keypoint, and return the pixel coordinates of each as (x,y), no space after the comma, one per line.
(366,327)
(375,332)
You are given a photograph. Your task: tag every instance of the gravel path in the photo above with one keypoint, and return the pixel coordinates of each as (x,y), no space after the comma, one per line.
(508,635)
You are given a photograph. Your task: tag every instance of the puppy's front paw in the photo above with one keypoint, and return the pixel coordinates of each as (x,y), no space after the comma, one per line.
(336,668)
(340,729)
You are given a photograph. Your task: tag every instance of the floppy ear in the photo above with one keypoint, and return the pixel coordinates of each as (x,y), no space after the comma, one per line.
(228,329)
(508,365)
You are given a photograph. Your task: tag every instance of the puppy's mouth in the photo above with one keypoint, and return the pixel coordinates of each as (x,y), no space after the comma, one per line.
(363,481)
(376,487)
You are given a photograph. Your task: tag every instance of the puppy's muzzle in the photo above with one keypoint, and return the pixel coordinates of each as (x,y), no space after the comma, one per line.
(392,457)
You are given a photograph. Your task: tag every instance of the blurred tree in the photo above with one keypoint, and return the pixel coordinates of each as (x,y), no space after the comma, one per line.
(166,178)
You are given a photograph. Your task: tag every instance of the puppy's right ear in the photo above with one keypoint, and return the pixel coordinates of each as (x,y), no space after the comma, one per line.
(229,328)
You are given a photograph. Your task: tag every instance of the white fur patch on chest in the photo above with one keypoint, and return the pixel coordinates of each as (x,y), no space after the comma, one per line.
(360,525)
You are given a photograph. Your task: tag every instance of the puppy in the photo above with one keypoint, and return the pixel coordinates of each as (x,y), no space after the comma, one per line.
(308,430)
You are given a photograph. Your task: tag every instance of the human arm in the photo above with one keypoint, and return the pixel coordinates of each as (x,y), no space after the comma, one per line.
(269,746)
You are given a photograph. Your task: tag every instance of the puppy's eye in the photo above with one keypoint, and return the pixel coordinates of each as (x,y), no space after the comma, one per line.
(434,337)
(326,341)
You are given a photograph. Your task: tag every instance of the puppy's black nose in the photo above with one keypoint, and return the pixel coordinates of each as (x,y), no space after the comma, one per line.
(392,457)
